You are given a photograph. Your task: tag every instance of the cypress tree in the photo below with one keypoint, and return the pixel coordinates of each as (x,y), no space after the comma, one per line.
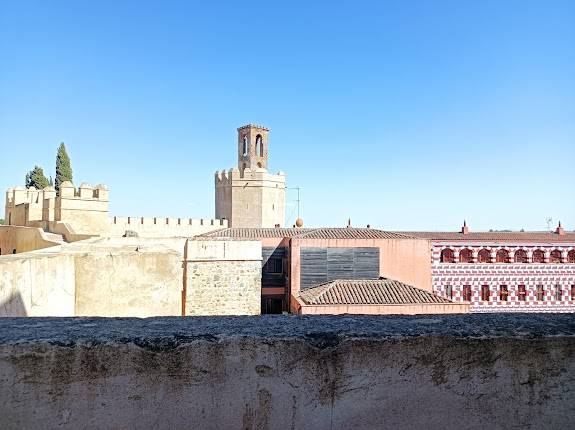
(63,167)
(35,178)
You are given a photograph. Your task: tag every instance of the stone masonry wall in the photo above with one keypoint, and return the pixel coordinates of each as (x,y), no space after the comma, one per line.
(223,288)
(222,277)
(288,372)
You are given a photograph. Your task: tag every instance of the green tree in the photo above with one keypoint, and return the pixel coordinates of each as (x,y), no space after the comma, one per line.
(35,178)
(63,167)
(1,221)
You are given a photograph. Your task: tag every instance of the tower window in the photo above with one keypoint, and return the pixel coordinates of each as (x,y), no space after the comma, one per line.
(259,146)
(245,146)
(449,292)
(467,293)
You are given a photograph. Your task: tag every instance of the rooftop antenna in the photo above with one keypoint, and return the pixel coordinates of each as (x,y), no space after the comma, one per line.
(298,199)
(549,220)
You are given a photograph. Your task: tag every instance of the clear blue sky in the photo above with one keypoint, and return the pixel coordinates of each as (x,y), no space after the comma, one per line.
(407,115)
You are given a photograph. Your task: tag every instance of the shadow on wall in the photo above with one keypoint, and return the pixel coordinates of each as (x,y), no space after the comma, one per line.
(13,306)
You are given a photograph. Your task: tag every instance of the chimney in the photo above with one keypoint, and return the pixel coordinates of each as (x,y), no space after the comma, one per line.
(560,230)
(349,223)
(464,229)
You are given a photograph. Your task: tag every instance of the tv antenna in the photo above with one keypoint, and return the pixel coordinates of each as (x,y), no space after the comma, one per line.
(298,198)
(548,220)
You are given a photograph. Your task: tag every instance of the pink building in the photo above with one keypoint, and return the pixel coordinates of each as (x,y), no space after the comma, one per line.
(505,271)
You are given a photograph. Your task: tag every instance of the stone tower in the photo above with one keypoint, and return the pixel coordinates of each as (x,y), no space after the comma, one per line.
(248,195)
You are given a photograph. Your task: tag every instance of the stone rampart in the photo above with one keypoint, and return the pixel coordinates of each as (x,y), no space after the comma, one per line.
(286,372)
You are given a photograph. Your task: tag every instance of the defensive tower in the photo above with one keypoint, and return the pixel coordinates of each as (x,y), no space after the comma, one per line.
(248,195)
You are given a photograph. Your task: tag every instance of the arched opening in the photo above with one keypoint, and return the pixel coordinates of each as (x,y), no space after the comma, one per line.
(571,256)
(484,256)
(538,256)
(521,256)
(259,146)
(449,292)
(245,146)
(13,251)
(465,256)
(502,256)
(467,293)
(555,256)
(447,256)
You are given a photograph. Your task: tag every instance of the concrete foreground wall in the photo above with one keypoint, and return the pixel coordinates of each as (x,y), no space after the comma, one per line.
(286,372)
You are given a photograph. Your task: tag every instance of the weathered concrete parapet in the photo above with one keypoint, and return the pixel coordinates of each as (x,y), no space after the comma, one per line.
(222,277)
(204,249)
(448,372)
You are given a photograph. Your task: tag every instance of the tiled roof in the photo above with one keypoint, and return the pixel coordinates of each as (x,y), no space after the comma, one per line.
(367,292)
(495,236)
(308,233)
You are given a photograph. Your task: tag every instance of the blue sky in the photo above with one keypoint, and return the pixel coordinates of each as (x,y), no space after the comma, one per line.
(404,115)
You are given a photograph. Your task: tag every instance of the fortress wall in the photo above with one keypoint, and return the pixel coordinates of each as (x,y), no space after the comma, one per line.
(285,372)
(37,285)
(163,227)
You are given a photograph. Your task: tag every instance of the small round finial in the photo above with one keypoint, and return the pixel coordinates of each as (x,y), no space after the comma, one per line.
(299,222)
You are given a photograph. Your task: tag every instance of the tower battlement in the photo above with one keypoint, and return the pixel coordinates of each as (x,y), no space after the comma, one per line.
(84,208)
(222,177)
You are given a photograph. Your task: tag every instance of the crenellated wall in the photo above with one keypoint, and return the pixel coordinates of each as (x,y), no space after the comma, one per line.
(164,227)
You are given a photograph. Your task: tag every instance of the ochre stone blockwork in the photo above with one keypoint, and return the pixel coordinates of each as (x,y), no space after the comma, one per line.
(222,277)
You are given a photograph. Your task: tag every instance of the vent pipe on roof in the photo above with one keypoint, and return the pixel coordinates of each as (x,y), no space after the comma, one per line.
(464,229)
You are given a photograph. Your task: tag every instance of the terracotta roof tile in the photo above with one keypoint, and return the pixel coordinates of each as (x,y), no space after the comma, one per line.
(495,236)
(308,233)
(367,292)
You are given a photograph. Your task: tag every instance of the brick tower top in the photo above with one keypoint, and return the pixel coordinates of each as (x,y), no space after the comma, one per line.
(252,147)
